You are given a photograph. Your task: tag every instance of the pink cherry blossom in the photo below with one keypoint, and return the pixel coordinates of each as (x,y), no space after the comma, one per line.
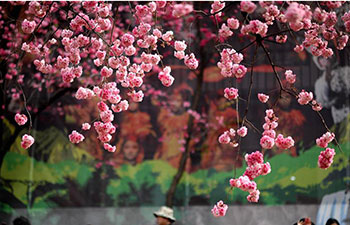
(137,96)
(281,38)
(107,116)
(161,4)
(239,70)
(254,157)
(266,169)
(76,137)
(109,147)
(191,61)
(267,142)
(217,6)
(263,98)
(255,27)
(224,138)
(168,36)
(294,13)
(270,133)
(243,183)
(231,93)
(182,9)
(180,45)
(106,72)
(298,48)
(290,77)
(256,166)
(28,26)
(179,55)
(165,77)
(85,126)
(225,31)
(316,106)
(21,119)
(127,40)
(242,131)
(253,196)
(247,6)
(219,209)
(305,97)
(27,141)
(84,93)
(233,23)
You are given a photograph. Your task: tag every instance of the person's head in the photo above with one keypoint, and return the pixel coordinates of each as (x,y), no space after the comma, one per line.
(164,216)
(133,106)
(130,149)
(176,102)
(332,221)
(304,221)
(21,221)
(162,220)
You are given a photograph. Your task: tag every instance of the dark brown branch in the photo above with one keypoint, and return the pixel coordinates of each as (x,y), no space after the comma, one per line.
(190,124)
(246,109)
(253,126)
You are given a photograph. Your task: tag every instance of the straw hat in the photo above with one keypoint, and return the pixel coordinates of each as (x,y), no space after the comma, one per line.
(165,212)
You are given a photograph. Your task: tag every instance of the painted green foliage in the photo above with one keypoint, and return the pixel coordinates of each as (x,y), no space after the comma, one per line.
(61,175)
(292,179)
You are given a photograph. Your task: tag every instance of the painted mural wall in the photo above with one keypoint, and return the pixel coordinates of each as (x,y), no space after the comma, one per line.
(150,140)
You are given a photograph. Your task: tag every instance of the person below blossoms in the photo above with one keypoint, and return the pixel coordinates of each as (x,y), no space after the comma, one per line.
(164,216)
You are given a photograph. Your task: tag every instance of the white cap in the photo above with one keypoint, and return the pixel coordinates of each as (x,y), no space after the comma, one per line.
(165,212)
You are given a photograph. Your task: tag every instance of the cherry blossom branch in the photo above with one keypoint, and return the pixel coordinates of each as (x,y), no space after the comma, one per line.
(253,126)
(325,125)
(92,29)
(275,34)
(195,102)
(246,109)
(250,86)
(273,67)
(294,94)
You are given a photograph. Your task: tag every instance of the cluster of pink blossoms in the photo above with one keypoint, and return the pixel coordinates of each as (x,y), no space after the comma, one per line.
(76,137)
(84,93)
(165,77)
(255,167)
(219,209)
(225,30)
(300,17)
(268,140)
(112,58)
(255,27)
(229,64)
(228,137)
(325,159)
(120,57)
(325,139)
(28,26)
(305,97)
